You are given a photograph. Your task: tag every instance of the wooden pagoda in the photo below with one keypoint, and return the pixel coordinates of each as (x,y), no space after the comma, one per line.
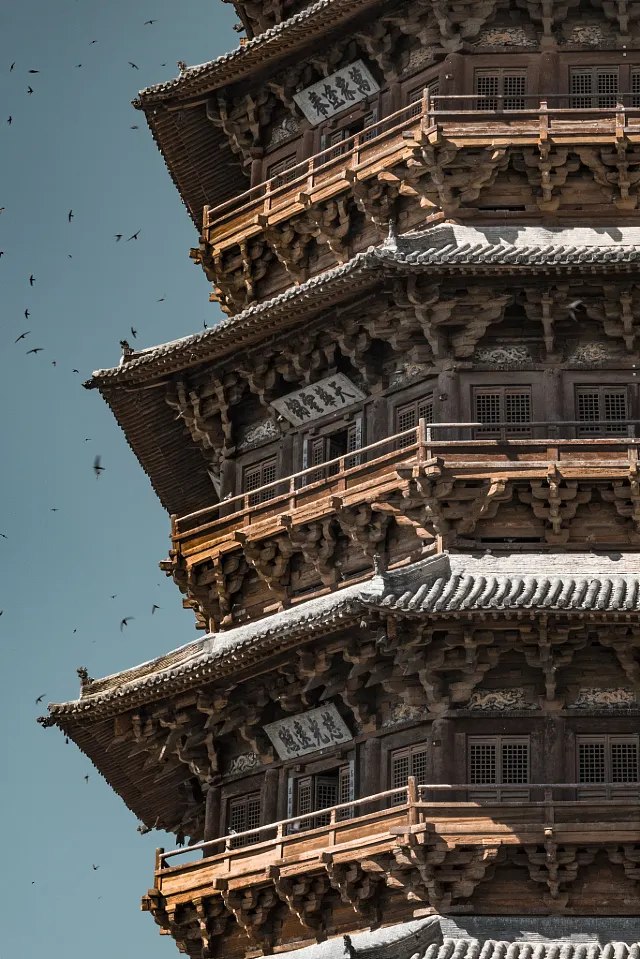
(404,490)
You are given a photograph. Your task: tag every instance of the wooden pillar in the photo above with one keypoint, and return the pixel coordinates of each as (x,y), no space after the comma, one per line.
(212,811)
(287,465)
(269,796)
(553,405)
(442,752)
(227,477)
(308,144)
(447,403)
(548,79)
(554,767)
(372,778)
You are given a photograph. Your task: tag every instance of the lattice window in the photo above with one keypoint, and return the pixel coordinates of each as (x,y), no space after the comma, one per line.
(499,90)
(502,405)
(635,88)
(409,415)
(415,97)
(369,127)
(498,760)
(243,814)
(602,403)
(258,475)
(607,759)
(411,761)
(282,172)
(320,792)
(593,88)
(323,449)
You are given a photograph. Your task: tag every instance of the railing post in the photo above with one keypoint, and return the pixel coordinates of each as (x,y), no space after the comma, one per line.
(412,800)
(420,455)
(310,172)
(267,197)
(544,121)
(159,855)
(621,120)
(355,161)
(424,117)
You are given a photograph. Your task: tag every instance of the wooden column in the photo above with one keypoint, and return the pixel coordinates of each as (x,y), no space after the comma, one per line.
(269,797)
(442,751)
(554,762)
(553,406)
(372,779)
(212,811)
(447,403)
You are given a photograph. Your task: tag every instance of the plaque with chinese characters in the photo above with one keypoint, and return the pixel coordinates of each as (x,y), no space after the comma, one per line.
(337,92)
(308,732)
(326,396)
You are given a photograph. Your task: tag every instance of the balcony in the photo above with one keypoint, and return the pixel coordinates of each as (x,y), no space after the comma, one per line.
(387,475)
(425,843)
(378,150)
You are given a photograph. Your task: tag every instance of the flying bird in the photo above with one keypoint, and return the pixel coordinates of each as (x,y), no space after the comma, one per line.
(97,469)
(29,90)
(134,236)
(22,336)
(86,779)
(124,621)
(32,280)
(70,215)
(92,41)
(94,867)
(133,65)
(4,535)
(54,509)
(134,127)
(147,23)
(34,71)
(571,309)
(27,314)
(10,121)
(133,332)
(40,698)
(75,371)
(161,300)
(12,66)
(78,65)
(118,237)
(36,349)
(154,607)
(114,595)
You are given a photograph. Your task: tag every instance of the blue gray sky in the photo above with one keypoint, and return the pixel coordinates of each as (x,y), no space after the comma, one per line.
(70,146)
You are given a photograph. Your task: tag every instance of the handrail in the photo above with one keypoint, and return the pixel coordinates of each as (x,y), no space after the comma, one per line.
(408,791)
(291,479)
(425,112)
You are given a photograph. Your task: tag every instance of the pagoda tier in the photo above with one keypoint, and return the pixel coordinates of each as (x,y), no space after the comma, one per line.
(396,696)
(294,152)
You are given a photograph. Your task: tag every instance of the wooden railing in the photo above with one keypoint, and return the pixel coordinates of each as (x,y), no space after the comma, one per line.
(538,116)
(417,446)
(408,809)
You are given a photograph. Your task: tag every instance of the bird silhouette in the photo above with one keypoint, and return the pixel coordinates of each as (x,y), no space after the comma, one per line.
(134,127)
(40,698)
(133,333)
(95,868)
(70,215)
(118,237)
(1,252)
(134,236)
(78,65)
(36,349)
(135,67)
(22,336)
(154,607)
(124,621)
(29,90)
(4,535)
(161,300)
(12,66)
(10,121)
(54,509)
(147,23)
(27,314)
(86,779)
(32,280)
(92,41)
(34,71)
(97,469)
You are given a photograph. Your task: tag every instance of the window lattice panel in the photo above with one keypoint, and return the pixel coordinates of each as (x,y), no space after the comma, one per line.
(515,763)
(591,763)
(624,763)
(482,763)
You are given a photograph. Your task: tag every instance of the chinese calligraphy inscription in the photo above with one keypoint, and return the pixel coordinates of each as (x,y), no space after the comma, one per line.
(326,396)
(335,93)
(308,732)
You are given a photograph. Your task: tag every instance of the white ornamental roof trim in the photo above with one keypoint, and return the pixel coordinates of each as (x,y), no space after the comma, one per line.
(446,584)
(450,247)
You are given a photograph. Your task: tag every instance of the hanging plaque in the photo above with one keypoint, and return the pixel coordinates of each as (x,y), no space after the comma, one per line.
(334,94)
(326,396)
(308,732)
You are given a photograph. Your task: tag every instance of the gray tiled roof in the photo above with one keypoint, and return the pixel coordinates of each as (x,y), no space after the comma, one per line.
(441,585)
(446,247)
(302,26)
(567,581)
(439,937)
